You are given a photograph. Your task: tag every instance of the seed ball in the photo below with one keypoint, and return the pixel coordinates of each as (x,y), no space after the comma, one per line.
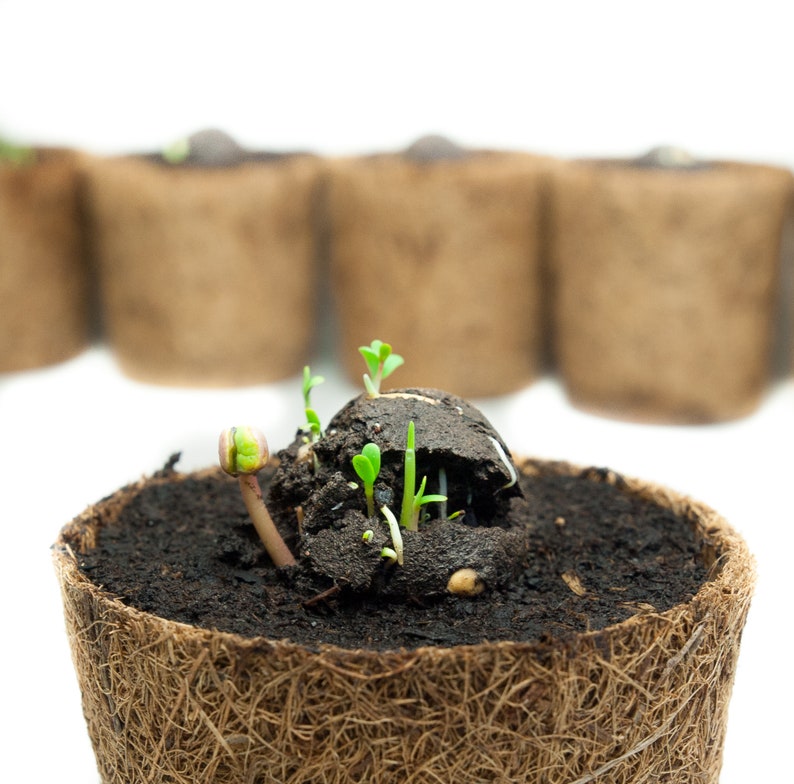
(433,147)
(212,147)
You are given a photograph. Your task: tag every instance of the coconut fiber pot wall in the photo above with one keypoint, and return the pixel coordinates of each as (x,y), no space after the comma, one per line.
(642,700)
(207,273)
(665,286)
(44,279)
(443,257)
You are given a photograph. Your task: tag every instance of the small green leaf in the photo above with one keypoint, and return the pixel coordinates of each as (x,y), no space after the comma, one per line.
(363,467)
(432,499)
(371,358)
(390,364)
(309,382)
(383,349)
(372,453)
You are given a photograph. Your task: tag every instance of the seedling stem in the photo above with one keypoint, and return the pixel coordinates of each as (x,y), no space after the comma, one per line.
(243,452)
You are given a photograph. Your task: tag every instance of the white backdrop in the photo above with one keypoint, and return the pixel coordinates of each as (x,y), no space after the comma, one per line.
(564,78)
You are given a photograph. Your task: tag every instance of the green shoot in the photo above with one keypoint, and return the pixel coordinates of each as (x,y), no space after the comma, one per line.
(243,452)
(309,382)
(396,551)
(409,477)
(389,554)
(16,154)
(367,466)
(313,425)
(381,363)
(414,501)
(312,420)
(420,499)
(178,151)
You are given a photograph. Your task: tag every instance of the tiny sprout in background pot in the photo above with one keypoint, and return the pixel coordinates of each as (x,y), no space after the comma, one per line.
(367,466)
(381,363)
(16,154)
(243,452)
(177,152)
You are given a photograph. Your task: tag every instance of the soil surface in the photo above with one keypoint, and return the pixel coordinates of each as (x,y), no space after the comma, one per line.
(594,555)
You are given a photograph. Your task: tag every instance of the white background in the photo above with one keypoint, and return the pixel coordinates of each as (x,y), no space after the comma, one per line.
(564,78)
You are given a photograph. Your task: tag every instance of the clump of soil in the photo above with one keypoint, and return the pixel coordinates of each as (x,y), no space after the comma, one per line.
(462,457)
(558,552)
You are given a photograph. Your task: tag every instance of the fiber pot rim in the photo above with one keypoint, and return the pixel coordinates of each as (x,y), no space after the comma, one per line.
(732,570)
(642,700)
(716,170)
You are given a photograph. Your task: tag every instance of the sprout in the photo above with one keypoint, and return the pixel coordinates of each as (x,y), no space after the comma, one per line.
(178,151)
(367,466)
(413,502)
(312,420)
(243,452)
(396,537)
(381,363)
(16,154)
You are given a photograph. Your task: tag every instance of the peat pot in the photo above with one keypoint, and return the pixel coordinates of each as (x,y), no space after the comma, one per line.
(207,272)
(45,301)
(442,254)
(643,700)
(666,286)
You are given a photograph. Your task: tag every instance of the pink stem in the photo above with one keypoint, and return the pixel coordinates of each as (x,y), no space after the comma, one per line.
(276,548)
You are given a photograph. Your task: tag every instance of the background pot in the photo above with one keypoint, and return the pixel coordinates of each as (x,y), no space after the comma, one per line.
(641,701)
(666,286)
(441,256)
(44,279)
(207,273)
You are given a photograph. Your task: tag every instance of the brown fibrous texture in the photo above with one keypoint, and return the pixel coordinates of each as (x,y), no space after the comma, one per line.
(442,259)
(665,286)
(642,701)
(45,302)
(206,274)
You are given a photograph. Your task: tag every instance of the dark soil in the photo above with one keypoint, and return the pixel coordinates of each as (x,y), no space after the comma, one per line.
(453,439)
(595,555)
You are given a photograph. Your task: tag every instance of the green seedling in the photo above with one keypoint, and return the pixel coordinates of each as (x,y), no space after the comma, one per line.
(420,500)
(16,154)
(367,466)
(390,554)
(395,552)
(381,363)
(178,151)
(312,420)
(414,501)
(242,453)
